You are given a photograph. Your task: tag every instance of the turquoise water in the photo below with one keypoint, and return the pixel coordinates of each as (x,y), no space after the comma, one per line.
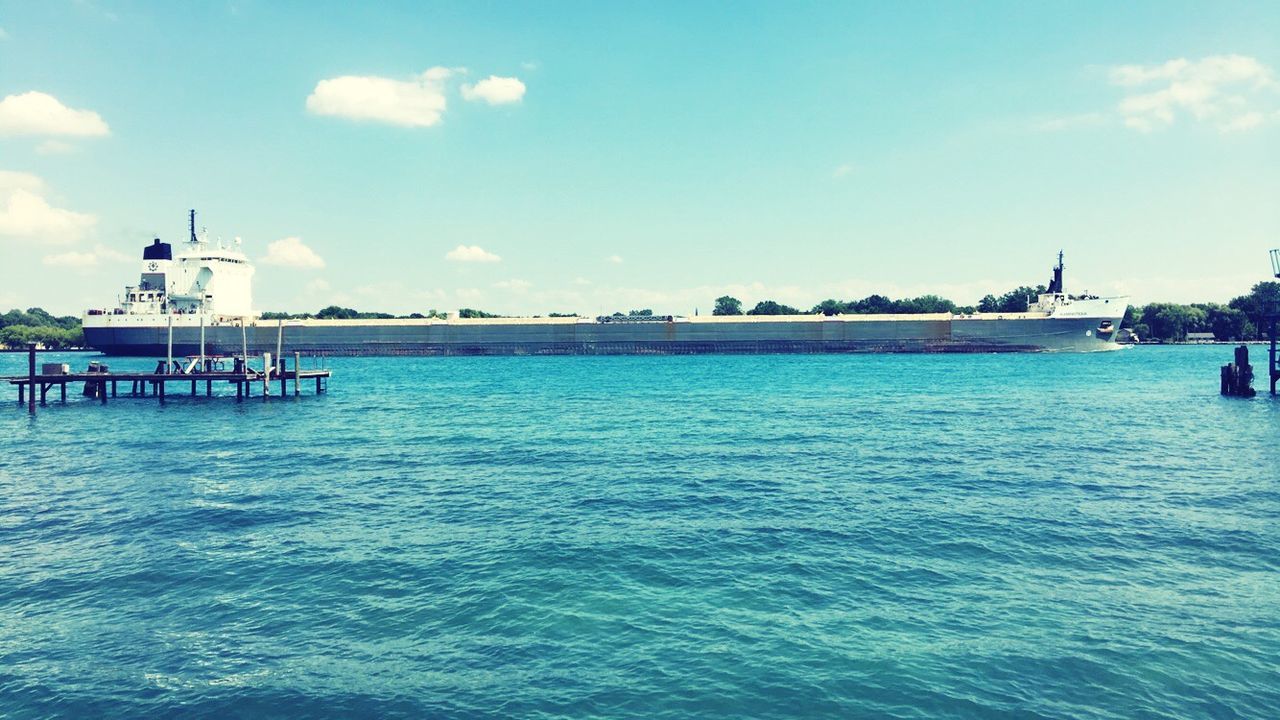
(1031,536)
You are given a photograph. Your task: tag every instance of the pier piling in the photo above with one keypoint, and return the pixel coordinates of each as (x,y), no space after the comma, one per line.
(31,378)
(1237,377)
(1273,361)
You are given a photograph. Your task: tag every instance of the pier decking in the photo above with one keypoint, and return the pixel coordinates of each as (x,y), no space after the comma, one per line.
(101,385)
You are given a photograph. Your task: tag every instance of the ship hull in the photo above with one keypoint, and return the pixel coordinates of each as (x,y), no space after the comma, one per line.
(866,334)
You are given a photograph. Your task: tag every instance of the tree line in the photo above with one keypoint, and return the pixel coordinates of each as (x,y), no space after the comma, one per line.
(19,328)
(337,312)
(1016,300)
(1244,318)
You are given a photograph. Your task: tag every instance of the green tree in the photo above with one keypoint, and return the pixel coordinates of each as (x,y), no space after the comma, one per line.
(334,312)
(1132,314)
(1171,321)
(829,307)
(923,304)
(769,307)
(1230,324)
(1263,299)
(872,305)
(726,305)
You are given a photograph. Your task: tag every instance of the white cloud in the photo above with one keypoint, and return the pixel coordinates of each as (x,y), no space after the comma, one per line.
(1244,122)
(615,259)
(71,259)
(517,286)
(841,171)
(78,260)
(54,147)
(495,90)
(529,65)
(318,285)
(1225,90)
(36,113)
(471,253)
(292,252)
(417,102)
(11,180)
(26,215)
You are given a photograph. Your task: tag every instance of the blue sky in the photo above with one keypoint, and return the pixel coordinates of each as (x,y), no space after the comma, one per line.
(591,157)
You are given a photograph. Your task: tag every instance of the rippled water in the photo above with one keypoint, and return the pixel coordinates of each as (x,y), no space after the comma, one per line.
(1059,536)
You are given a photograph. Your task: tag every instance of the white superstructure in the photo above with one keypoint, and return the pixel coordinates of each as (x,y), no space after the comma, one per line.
(202,278)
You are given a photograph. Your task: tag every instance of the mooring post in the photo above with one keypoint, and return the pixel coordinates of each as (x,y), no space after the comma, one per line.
(1275,370)
(266,375)
(168,365)
(63,387)
(317,384)
(1237,377)
(193,388)
(297,372)
(31,378)
(208,388)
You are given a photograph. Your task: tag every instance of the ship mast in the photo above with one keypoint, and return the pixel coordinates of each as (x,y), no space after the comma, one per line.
(192,216)
(1055,285)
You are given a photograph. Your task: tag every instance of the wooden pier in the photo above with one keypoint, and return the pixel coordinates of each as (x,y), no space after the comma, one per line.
(202,372)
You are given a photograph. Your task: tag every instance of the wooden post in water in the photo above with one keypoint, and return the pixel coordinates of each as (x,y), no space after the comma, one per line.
(297,373)
(244,343)
(201,338)
(1275,369)
(266,375)
(31,378)
(1237,377)
(168,365)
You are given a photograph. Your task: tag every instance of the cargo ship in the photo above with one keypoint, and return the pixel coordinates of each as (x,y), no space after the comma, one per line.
(198,300)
